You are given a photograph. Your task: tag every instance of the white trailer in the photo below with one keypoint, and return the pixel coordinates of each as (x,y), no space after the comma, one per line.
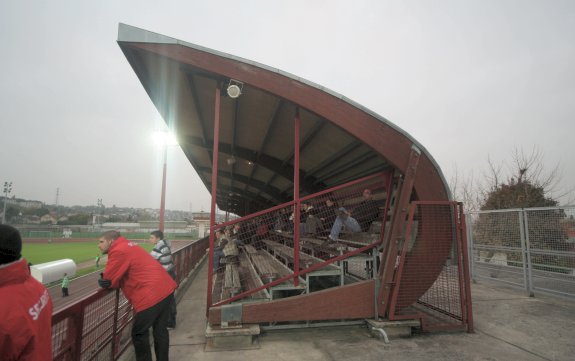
(53,271)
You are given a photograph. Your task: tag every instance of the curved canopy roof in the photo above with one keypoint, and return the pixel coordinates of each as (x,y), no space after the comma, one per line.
(339,139)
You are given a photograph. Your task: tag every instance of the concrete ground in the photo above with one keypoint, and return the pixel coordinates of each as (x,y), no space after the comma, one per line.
(508,326)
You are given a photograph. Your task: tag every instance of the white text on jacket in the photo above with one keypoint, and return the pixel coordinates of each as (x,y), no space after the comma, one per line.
(35,310)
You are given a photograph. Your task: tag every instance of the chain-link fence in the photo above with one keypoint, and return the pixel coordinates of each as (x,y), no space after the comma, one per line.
(259,257)
(531,248)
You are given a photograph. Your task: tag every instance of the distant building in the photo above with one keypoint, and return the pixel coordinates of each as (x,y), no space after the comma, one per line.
(121,226)
(169,226)
(24,203)
(201,216)
(48,218)
(30,204)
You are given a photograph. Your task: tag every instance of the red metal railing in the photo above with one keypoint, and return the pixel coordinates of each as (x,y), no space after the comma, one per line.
(270,238)
(98,326)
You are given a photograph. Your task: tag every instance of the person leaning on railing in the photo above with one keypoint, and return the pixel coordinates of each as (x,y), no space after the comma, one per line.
(26,312)
(146,285)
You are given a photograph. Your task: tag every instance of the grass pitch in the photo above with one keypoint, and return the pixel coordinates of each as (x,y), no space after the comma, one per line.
(78,251)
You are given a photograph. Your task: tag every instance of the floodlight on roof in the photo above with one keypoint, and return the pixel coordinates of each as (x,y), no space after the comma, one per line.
(234,88)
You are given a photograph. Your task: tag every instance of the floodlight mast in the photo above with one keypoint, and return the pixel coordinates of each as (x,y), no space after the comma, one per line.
(163,197)
(164,139)
(7,190)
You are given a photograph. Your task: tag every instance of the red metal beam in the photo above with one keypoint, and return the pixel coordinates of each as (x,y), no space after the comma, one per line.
(297,210)
(354,301)
(214,195)
(388,258)
(399,271)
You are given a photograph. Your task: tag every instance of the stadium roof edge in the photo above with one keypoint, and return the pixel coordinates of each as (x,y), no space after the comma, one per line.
(131,34)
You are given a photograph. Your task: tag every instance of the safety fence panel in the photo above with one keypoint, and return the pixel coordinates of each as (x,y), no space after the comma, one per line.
(99,326)
(432,282)
(319,241)
(497,247)
(532,248)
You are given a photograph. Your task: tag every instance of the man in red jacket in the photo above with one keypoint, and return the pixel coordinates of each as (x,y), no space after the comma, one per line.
(146,285)
(26,312)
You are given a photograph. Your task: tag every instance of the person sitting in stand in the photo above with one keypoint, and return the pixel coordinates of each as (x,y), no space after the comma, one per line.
(303,217)
(343,217)
(327,214)
(239,235)
(365,213)
(262,231)
(219,244)
(281,221)
(230,250)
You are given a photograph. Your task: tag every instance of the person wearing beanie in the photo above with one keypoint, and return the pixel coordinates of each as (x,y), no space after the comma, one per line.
(146,285)
(26,312)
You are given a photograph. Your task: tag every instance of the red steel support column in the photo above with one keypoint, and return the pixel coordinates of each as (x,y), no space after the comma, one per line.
(399,272)
(297,210)
(389,256)
(215,151)
(389,191)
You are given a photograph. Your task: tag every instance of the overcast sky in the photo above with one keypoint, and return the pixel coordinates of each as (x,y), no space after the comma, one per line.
(467,79)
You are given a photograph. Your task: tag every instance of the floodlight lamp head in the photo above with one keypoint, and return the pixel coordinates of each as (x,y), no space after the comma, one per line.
(234,89)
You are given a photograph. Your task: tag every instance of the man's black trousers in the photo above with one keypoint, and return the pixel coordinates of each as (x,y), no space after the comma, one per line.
(157,318)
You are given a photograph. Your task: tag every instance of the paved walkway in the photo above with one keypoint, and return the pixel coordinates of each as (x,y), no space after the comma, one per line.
(509,326)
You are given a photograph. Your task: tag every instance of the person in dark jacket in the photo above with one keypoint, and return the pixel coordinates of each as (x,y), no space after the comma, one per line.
(219,244)
(26,312)
(327,212)
(146,285)
(359,220)
(367,210)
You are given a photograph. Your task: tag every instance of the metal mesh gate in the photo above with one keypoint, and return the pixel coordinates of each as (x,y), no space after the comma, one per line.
(531,248)
(431,281)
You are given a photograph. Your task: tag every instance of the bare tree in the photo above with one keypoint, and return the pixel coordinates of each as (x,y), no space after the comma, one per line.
(465,189)
(524,168)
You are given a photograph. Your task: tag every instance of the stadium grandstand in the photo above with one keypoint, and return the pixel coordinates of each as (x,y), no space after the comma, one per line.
(342,215)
